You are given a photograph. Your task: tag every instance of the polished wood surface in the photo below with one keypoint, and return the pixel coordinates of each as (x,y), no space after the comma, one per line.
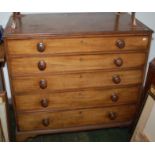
(73,118)
(76,45)
(61,24)
(77,99)
(75,81)
(75,71)
(43,65)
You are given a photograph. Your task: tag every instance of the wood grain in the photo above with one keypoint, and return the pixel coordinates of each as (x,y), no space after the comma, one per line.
(74,63)
(54,46)
(77,70)
(73,24)
(77,99)
(75,81)
(66,119)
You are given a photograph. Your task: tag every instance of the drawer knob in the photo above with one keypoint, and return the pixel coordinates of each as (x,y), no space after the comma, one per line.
(42,65)
(118,62)
(44,103)
(116,79)
(120,43)
(46,122)
(112,115)
(43,84)
(114,97)
(41,47)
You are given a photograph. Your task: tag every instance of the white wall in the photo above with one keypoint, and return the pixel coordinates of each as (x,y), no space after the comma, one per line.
(149,20)
(146,18)
(4,16)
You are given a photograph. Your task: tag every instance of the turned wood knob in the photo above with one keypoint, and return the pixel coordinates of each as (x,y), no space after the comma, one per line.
(112,115)
(42,65)
(120,43)
(118,62)
(43,84)
(46,122)
(44,103)
(116,79)
(41,47)
(114,97)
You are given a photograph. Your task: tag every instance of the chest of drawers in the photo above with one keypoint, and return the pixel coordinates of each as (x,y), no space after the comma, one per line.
(77,71)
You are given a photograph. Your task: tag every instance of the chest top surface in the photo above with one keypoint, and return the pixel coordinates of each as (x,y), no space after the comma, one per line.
(73,24)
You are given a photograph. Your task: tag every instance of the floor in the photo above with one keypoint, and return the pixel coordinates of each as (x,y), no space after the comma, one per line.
(104,135)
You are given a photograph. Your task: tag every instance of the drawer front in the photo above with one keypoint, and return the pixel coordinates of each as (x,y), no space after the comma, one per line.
(34,65)
(71,45)
(79,99)
(75,118)
(76,81)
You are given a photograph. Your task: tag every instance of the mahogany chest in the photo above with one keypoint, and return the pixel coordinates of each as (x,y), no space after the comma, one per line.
(75,71)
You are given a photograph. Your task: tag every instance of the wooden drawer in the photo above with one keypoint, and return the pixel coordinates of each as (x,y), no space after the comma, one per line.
(71,45)
(78,99)
(75,118)
(76,81)
(34,65)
